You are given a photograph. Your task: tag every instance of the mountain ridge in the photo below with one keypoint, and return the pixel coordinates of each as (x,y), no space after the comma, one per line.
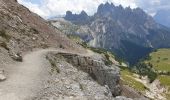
(111,25)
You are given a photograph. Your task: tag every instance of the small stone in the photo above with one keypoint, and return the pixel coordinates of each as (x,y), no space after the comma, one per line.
(68,87)
(2,77)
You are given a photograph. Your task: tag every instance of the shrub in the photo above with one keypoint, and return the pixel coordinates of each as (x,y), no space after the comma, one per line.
(146,70)
(165,59)
(61,46)
(53,65)
(4,35)
(4,45)
(35,31)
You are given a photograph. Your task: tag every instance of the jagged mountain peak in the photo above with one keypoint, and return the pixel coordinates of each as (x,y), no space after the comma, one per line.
(81,18)
(107,7)
(68,13)
(116,28)
(83,13)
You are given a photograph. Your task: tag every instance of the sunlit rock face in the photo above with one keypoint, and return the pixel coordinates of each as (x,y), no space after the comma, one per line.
(129,33)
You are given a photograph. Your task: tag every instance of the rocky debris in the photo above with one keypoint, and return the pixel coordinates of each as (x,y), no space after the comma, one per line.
(125,98)
(131,93)
(2,76)
(71,29)
(155,91)
(17,57)
(122,98)
(104,75)
(71,84)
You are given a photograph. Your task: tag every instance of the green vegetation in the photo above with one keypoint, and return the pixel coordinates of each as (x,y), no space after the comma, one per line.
(81,86)
(4,35)
(75,38)
(160,60)
(144,69)
(165,80)
(108,55)
(129,79)
(4,45)
(53,65)
(126,74)
(68,27)
(35,31)
(168,96)
(133,52)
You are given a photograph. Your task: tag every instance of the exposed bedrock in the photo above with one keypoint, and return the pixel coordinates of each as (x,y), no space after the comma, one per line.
(104,75)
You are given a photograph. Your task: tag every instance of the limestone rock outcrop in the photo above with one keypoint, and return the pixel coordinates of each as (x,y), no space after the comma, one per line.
(104,75)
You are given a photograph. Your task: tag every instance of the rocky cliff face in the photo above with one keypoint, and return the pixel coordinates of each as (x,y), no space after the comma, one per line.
(105,75)
(130,33)
(22,31)
(81,18)
(69,28)
(72,80)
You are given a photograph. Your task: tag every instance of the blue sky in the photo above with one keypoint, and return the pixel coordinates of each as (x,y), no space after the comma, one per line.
(50,8)
(34,1)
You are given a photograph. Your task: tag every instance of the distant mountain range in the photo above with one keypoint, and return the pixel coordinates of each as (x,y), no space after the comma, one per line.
(163,17)
(129,33)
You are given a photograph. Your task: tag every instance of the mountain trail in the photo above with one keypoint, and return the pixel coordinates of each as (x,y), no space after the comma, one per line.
(26,78)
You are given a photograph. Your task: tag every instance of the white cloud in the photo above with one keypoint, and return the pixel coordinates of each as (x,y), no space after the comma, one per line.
(50,8)
(125,3)
(36,8)
(152,6)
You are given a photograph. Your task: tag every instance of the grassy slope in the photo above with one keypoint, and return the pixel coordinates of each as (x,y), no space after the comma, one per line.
(161,62)
(129,79)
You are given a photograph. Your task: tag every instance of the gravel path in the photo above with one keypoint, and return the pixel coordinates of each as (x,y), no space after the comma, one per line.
(26,78)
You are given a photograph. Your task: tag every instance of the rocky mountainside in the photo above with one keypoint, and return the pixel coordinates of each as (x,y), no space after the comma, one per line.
(65,72)
(22,30)
(163,17)
(130,33)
